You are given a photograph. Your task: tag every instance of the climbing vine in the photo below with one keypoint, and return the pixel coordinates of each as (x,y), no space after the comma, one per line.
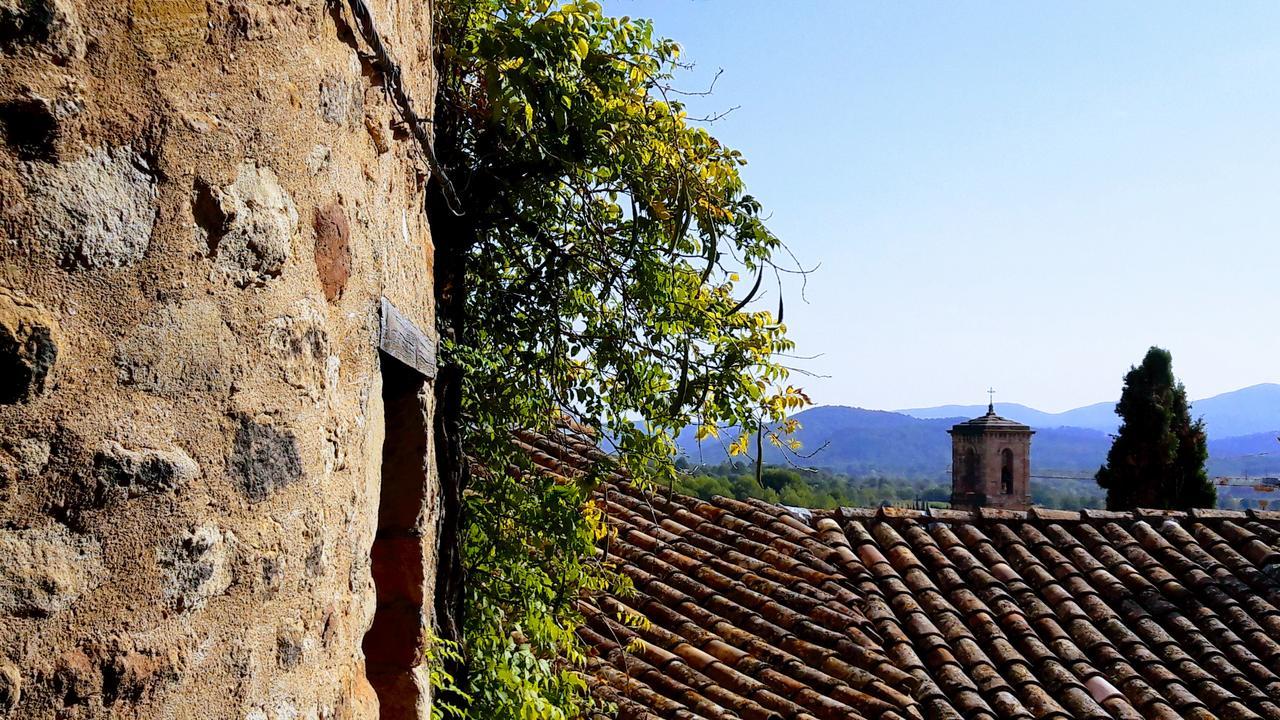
(599,265)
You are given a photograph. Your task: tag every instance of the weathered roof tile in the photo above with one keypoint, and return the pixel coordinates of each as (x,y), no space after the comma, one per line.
(756,612)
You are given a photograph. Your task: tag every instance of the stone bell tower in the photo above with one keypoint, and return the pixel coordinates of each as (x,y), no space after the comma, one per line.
(990,463)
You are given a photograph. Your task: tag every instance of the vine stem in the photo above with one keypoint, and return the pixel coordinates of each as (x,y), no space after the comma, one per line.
(394,86)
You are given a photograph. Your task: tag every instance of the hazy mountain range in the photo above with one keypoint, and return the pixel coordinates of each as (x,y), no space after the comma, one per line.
(1255,409)
(1242,425)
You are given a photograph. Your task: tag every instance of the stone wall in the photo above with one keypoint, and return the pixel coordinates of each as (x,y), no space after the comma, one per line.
(201,203)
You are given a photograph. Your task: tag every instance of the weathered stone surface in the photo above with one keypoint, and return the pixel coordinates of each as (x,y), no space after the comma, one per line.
(300,344)
(317,560)
(10,689)
(124,473)
(28,349)
(333,249)
(152,197)
(319,159)
(289,645)
(22,460)
(180,349)
(50,26)
(270,575)
(378,133)
(247,227)
(45,570)
(342,99)
(166,27)
(253,21)
(196,566)
(98,211)
(131,676)
(76,679)
(30,127)
(29,456)
(263,458)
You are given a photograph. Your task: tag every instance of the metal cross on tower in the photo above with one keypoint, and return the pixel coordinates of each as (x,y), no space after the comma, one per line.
(991,400)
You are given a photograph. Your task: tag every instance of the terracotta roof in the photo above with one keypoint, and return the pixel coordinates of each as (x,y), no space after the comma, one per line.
(755,612)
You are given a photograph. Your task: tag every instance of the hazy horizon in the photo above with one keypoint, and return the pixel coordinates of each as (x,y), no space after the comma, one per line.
(1013,401)
(1008,195)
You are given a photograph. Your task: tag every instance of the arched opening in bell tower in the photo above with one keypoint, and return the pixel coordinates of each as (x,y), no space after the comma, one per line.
(969,471)
(1006,471)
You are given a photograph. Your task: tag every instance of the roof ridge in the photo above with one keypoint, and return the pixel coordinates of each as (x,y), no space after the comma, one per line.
(1041,514)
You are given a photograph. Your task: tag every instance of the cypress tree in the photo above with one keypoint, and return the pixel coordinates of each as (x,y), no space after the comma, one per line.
(1157,457)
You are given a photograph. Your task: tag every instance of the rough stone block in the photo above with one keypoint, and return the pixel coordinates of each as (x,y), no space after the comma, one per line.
(10,689)
(50,26)
(263,459)
(299,342)
(75,679)
(269,576)
(290,645)
(45,570)
(131,676)
(196,566)
(124,473)
(166,27)
(29,456)
(28,350)
(180,349)
(247,227)
(333,249)
(341,99)
(319,160)
(98,211)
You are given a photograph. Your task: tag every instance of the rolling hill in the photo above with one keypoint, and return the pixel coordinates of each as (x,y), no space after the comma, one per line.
(1247,411)
(875,442)
(864,442)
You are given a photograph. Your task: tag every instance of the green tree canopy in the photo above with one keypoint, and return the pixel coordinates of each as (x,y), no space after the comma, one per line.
(1157,458)
(596,254)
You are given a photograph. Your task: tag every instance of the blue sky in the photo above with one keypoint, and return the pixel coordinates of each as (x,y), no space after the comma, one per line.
(1024,195)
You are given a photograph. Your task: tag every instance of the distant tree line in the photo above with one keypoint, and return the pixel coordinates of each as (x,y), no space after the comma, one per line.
(1157,460)
(826,489)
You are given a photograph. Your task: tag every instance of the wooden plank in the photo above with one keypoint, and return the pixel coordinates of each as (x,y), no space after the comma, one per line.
(406,342)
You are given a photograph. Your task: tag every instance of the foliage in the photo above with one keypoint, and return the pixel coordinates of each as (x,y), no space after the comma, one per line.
(439,652)
(1157,458)
(594,272)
